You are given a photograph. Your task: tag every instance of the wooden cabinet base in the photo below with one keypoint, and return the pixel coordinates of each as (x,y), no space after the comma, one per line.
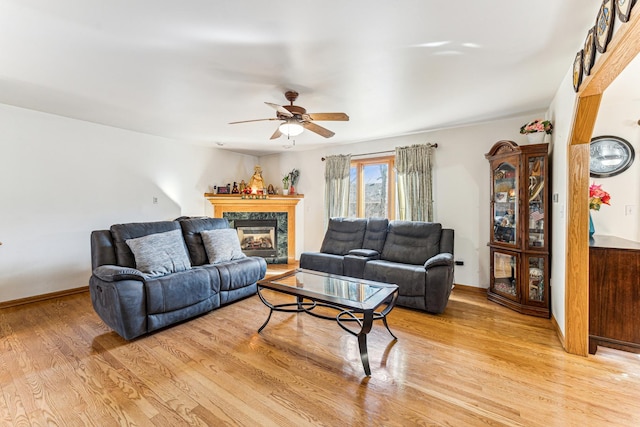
(520,308)
(595,341)
(614,294)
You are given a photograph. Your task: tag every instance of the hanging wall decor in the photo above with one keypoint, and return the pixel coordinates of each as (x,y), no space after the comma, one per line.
(589,52)
(577,71)
(623,7)
(604,25)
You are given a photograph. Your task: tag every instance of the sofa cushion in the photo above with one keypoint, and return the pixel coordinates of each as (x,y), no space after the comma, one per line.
(122,232)
(176,291)
(375,234)
(161,253)
(411,242)
(222,245)
(191,229)
(318,261)
(343,234)
(409,278)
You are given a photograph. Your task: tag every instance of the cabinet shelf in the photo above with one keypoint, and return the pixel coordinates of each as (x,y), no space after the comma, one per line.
(519,244)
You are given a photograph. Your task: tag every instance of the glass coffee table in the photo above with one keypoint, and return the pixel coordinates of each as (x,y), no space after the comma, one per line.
(358,302)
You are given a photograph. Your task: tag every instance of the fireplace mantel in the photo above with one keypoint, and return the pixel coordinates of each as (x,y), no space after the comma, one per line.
(273,203)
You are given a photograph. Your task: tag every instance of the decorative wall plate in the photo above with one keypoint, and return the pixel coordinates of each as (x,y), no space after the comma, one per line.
(610,156)
(589,52)
(623,8)
(604,25)
(577,71)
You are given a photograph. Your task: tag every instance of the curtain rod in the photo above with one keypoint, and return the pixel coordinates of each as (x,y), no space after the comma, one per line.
(380,152)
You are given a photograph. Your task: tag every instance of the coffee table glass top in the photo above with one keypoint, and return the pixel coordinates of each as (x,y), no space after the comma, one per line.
(347,289)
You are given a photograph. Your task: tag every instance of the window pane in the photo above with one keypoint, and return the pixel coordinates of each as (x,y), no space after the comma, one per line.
(375,190)
(353,192)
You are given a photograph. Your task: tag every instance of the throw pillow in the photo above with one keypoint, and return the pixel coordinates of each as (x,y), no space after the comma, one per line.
(161,253)
(222,245)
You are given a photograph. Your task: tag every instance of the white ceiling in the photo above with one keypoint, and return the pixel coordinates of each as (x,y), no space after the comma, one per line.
(185,69)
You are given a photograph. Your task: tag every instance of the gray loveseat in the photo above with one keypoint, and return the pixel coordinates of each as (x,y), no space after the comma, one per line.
(150,275)
(416,256)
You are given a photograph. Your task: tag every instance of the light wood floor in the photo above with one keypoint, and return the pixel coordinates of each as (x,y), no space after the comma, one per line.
(478,364)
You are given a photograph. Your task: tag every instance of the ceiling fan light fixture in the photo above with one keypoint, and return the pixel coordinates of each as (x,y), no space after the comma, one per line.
(291,128)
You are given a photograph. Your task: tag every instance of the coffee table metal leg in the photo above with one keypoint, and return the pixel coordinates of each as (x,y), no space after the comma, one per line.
(268,304)
(367,323)
(364,355)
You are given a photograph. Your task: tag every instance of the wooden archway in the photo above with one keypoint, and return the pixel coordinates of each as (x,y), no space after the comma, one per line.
(624,47)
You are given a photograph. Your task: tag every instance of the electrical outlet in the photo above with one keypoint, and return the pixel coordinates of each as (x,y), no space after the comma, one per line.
(155,200)
(630,210)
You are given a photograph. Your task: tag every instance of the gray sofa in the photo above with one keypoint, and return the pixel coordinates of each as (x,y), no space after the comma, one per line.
(150,275)
(416,256)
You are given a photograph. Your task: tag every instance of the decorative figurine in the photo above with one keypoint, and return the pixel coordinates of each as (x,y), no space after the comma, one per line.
(256,182)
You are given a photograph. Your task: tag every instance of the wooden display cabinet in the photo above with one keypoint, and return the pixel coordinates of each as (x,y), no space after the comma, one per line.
(519,236)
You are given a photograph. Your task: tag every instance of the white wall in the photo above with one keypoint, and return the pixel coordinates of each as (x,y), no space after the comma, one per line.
(62,178)
(561,115)
(461,185)
(619,117)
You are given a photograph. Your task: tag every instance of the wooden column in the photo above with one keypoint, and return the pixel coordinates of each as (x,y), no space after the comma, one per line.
(623,48)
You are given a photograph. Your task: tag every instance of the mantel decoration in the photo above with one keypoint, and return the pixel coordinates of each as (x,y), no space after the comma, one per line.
(293,178)
(285,185)
(597,198)
(536,130)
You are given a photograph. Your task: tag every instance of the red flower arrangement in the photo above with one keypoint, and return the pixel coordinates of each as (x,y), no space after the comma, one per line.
(598,197)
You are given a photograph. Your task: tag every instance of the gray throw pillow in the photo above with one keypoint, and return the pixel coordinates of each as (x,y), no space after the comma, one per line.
(222,245)
(161,253)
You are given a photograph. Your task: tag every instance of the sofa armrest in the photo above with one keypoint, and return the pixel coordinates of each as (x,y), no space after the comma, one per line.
(443,259)
(367,253)
(355,261)
(115,273)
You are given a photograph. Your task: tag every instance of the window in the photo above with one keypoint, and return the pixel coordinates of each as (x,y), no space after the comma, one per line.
(371,188)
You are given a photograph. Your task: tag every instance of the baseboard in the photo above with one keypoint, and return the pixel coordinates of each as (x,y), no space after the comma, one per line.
(559,333)
(467,288)
(43,297)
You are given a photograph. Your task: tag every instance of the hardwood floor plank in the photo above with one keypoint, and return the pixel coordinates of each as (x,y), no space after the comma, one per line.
(476,364)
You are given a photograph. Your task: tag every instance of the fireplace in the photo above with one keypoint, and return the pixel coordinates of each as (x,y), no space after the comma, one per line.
(282,209)
(258,237)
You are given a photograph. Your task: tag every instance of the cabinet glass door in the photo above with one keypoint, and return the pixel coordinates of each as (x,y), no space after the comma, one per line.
(537,279)
(536,172)
(505,204)
(505,269)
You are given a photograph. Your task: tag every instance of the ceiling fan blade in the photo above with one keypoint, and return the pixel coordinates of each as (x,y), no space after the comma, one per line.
(329,116)
(318,129)
(256,120)
(280,109)
(277,134)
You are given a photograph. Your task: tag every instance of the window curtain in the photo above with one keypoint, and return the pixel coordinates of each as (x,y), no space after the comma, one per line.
(414,182)
(336,189)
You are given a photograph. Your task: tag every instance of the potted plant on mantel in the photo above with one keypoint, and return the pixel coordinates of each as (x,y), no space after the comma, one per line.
(293,177)
(285,185)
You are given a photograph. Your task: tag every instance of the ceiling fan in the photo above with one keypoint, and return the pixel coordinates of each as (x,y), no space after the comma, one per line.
(295,119)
